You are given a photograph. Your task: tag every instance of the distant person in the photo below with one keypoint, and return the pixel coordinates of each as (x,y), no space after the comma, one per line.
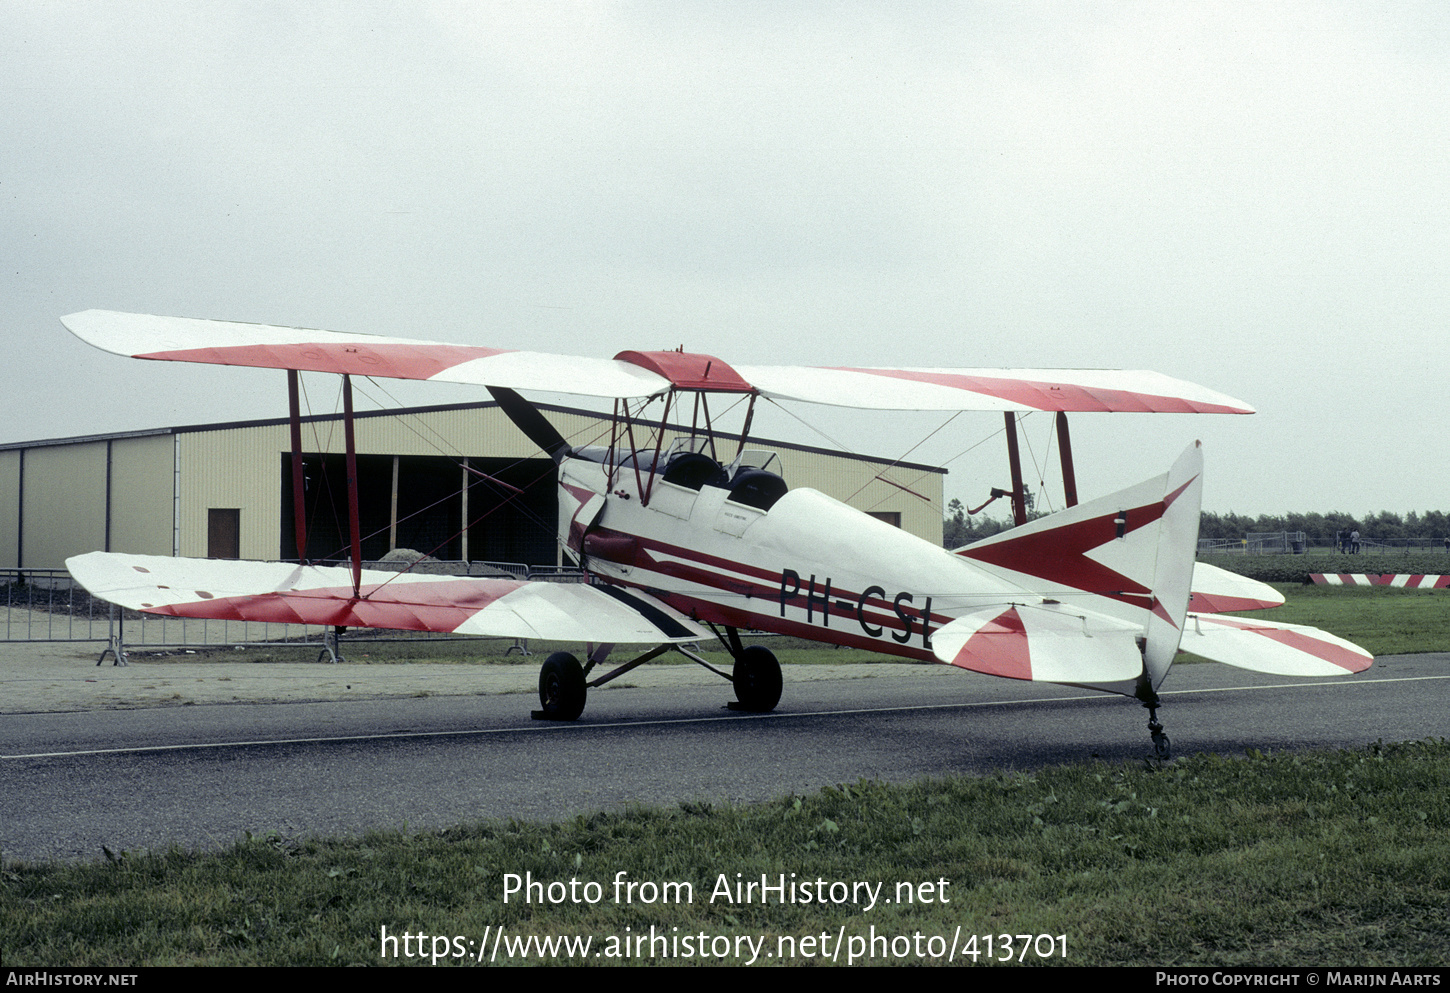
(1354,542)
(1339,542)
(1447,544)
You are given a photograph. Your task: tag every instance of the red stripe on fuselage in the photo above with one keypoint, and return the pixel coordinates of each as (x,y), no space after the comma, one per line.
(717,613)
(767,589)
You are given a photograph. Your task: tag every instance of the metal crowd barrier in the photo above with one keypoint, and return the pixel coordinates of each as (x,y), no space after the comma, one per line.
(48,605)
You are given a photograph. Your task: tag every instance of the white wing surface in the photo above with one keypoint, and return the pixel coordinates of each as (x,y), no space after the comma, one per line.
(1217,590)
(1281,649)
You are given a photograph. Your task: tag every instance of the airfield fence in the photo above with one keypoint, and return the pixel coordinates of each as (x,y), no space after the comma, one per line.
(1247,545)
(48,605)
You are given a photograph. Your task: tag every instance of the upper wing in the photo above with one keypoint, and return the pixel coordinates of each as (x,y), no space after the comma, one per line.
(1123,390)
(640,374)
(183,339)
(283,593)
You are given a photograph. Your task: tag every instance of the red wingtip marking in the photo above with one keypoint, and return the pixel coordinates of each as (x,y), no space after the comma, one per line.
(1344,658)
(1203,603)
(1042,395)
(398,361)
(999,648)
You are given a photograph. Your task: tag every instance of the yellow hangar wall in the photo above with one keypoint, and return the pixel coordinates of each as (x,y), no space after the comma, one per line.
(240,467)
(142,495)
(54,496)
(10,507)
(66,484)
(61,499)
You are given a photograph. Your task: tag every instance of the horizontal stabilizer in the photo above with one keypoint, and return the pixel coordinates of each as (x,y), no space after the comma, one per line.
(1044,643)
(285,593)
(1216,591)
(1280,649)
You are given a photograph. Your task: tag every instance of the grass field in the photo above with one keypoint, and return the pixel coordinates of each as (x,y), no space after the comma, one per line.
(1334,858)
(1305,859)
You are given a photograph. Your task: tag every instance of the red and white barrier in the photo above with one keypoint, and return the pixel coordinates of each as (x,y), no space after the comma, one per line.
(1405,579)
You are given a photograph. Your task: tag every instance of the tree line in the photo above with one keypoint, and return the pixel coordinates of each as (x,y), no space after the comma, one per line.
(959,528)
(1321,528)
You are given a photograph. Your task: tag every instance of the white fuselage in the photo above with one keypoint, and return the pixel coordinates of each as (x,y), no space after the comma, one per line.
(809,566)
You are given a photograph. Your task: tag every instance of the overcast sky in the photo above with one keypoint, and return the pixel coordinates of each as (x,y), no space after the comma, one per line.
(1249,196)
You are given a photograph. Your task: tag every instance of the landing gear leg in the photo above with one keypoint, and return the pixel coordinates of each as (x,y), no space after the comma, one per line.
(1162,747)
(756,675)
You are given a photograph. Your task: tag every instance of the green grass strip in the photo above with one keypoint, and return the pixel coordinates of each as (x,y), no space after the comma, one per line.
(1331,858)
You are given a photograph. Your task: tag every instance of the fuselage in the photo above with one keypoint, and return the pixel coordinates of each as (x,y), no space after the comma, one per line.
(739,550)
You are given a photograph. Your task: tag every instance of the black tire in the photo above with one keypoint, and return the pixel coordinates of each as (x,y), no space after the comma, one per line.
(757,679)
(561,687)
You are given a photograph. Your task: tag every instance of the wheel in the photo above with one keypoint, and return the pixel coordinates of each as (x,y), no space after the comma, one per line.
(757,679)
(561,687)
(1162,747)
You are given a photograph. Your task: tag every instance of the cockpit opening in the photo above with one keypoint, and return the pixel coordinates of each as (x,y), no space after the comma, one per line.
(695,469)
(758,488)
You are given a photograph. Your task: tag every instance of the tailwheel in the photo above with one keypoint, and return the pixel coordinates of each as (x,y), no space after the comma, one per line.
(561,688)
(1162,747)
(757,680)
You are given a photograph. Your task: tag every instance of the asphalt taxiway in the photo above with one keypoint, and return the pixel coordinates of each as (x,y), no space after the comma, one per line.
(165,752)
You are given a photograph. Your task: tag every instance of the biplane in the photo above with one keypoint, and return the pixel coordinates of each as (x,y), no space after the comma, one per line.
(701,538)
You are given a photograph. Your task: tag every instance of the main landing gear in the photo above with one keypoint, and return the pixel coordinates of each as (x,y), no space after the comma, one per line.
(564,684)
(757,680)
(561,688)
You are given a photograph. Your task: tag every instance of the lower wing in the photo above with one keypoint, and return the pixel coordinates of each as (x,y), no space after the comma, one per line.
(284,593)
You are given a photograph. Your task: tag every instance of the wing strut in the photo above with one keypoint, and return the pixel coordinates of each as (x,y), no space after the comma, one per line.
(1019,503)
(1064,448)
(299,487)
(354,524)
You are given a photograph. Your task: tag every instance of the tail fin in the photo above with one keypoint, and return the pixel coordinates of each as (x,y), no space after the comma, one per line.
(1173,569)
(1129,555)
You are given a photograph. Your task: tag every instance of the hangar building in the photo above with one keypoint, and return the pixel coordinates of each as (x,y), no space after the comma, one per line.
(224,490)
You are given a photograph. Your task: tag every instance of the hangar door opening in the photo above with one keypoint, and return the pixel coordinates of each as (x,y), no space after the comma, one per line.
(431,504)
